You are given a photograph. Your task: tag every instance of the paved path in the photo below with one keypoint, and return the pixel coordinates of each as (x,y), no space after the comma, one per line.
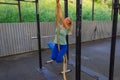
(95,57)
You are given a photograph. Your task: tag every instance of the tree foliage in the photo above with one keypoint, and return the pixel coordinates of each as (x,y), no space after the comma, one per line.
(47,11)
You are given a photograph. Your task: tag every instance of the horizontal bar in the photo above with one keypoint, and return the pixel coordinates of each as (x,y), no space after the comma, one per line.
(29,1)
(43,37)
(35,37)
(26,0)
(9,3)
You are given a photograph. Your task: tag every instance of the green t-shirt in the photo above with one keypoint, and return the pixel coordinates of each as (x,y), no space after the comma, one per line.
(62,36)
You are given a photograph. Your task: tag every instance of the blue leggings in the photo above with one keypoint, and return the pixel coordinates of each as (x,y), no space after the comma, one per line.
(56,54)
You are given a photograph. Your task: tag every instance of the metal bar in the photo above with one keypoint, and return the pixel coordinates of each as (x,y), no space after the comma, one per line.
(26,1)
(92,10)
(113,41)
(38,34)
(66,15)
(35,37)
(112,10)
(8,3)
(78,38)
(19,8)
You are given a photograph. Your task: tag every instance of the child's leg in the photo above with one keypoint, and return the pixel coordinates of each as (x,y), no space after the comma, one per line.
(51,45)
(54,52)
(63,49)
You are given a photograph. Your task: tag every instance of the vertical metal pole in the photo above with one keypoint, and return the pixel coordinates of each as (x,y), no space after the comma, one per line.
(92,10)
(19,8)
(112,10)
(113,41)
(38,34)
(78,38)
(66,15)
(66,8)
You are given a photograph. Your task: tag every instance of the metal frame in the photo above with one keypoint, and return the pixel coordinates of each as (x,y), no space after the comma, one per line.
(18,4)
(19,8)
(78,38)
(27,0)
(92,10)
(38,34)
(116,6)
(8,3)
(38,24)
(66,15)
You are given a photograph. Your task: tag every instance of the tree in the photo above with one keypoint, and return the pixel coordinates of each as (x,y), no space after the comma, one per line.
(2,0)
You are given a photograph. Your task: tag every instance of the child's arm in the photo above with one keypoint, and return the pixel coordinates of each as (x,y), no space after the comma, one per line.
(57,13)
(61,16)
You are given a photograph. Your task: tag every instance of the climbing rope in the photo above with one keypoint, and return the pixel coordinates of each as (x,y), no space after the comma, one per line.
(58,38)
(64,67)
(64,57)
(58,42)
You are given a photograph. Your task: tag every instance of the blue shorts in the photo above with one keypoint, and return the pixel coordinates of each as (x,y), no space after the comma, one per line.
(56,54)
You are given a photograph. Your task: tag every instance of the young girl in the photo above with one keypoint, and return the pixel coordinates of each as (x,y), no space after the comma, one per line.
(62,30)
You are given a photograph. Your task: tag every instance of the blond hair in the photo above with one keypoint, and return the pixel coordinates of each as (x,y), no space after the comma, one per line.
(70,29)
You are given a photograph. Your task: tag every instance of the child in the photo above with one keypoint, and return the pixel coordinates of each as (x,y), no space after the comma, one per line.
(60,45)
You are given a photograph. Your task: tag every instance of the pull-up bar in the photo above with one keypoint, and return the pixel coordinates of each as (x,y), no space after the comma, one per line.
(9,3)
(27,0)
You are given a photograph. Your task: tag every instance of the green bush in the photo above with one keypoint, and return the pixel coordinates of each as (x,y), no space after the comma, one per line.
(102,13)
(9,13)
(28,12)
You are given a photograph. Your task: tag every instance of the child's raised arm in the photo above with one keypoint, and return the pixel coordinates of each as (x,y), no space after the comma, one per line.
(57,13)
(61,16)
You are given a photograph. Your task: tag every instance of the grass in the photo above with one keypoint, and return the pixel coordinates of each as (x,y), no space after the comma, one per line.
(47,11)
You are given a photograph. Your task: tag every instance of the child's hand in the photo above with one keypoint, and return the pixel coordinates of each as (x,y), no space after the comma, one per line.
(57,1)
(58,5)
